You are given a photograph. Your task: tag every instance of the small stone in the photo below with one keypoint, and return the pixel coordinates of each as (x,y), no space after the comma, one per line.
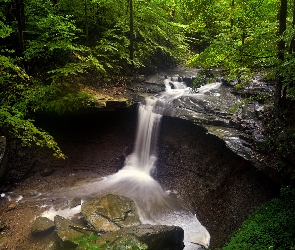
(46,171)
(12,206)
(3,240)
(75,202)
(42,225)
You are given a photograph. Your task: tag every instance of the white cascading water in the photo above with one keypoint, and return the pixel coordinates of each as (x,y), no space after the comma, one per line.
(144,156)
(134,180)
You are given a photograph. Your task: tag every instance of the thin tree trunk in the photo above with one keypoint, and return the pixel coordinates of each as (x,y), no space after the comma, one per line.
(86,23)
(292,45)
(282,17)
(131,48)
(231,19)
(20,16)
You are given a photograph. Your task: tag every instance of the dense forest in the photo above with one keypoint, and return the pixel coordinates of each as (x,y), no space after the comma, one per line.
(49,47)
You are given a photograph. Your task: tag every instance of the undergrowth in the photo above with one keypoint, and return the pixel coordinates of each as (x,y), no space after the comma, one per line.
(270,226)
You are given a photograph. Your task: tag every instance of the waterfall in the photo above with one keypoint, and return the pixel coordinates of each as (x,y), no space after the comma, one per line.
(144,156)
(135,181)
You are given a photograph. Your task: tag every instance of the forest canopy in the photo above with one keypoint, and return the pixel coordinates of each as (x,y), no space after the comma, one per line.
(45,43)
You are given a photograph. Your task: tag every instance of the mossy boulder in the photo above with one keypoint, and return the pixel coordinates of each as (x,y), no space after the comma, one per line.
(110,213)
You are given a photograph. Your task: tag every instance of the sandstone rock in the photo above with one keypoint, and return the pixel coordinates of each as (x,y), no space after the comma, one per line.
(156,237)
(110,212)
(42,225)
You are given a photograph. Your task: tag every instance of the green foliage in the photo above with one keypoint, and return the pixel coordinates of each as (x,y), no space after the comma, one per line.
(243,39)
(25,130)
(271,226)
(21,97)
(68,39)
(239,105)
(52,34)
(203,77)
(155,35)
(87,242)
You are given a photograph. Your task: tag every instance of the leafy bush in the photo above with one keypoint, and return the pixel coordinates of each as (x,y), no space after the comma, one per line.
(271,226)
(24,129)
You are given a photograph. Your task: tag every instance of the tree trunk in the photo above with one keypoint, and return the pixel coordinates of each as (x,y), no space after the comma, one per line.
(231,19)
(131,46)
(86,23)
(20,16)
(292,45)
(282,17)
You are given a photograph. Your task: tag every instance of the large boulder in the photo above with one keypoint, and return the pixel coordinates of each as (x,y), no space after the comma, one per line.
(110,213)
(156,237)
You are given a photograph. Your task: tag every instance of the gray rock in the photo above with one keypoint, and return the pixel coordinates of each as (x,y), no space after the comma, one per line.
(3,156)
(42,225)
(65,231)
(154,79)
(54,245)
(156,237)
(75,202)
(128,240)
(110,213)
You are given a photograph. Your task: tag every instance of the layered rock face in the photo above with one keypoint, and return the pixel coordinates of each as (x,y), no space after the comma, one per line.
(217,185)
